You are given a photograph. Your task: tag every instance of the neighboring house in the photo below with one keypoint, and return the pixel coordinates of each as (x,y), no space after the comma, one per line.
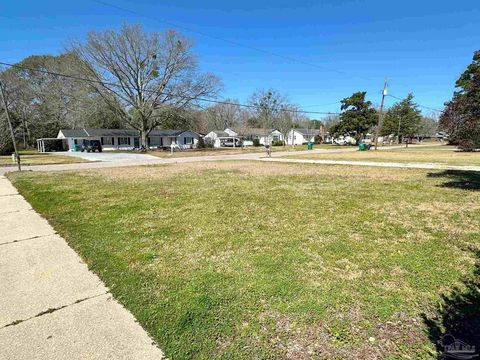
(227,138)
(128,139)
(263,136)
(302,136)
(246,137)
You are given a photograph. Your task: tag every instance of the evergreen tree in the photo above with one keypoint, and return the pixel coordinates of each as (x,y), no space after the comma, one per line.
(357,117)
(403,119)
(461,116)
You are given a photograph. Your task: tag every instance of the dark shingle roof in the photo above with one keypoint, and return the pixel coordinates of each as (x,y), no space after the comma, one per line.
(112,132)
(74,133)
(166,132)
(116,132)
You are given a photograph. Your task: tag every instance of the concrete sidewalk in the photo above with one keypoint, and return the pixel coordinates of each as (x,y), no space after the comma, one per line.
(51,305)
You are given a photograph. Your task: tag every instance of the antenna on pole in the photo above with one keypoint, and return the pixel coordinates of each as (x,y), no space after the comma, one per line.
(380,113)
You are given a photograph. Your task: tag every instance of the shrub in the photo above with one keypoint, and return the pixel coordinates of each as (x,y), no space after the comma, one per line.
(202,144)
(277,143)
(256,142)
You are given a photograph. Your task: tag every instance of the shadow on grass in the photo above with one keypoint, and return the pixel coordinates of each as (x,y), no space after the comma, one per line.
(455,330)
(459,179)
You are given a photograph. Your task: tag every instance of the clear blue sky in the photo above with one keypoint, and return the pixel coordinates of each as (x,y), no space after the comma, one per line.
(421,46)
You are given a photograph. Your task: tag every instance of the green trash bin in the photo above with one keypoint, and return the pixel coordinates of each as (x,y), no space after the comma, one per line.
(76,148)
(362,147)
(310,146)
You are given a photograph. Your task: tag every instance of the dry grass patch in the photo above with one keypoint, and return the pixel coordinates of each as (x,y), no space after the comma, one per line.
(438,154)
(264,260)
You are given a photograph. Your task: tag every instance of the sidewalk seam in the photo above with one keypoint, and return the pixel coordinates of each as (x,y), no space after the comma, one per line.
(31,238)
(51,310)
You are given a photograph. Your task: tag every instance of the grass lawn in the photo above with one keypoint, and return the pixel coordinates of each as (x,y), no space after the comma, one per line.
(30,158)
(425,154)
(234,151)
(259,260)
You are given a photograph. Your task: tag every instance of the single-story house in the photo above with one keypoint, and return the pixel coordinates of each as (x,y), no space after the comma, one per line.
(302,136)
(128,139)
(226,138)
(263,136)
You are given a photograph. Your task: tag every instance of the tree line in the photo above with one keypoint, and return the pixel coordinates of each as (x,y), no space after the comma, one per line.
(140,80)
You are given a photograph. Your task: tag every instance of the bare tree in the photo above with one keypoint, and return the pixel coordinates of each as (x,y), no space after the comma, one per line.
(140,73)
(223,115)
(284,122)
(267,104)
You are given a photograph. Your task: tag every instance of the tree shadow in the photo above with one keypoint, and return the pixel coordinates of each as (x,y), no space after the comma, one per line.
(459,179)
(455,329)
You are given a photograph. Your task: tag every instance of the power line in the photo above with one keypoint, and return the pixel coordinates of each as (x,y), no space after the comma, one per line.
(79,78)
(232,42)
(420,105)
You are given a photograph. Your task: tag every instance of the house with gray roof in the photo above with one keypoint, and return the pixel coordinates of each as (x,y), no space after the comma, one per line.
(245,137)
(128,139)
(302,136)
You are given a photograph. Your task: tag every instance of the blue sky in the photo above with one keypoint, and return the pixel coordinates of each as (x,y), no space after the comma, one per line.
(421,46)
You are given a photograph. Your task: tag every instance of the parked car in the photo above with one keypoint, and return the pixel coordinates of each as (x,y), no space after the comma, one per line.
(229,143)
(91,146)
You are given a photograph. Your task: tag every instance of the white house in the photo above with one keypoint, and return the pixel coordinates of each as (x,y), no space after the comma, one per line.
(246,137)
(263,136)
(301,136)
(226,138)
(128,139)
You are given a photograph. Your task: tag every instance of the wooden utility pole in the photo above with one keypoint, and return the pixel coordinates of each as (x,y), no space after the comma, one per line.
(4,100)
(380,114)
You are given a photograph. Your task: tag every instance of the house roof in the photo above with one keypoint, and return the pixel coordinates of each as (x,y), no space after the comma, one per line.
(220,133)
(308,131)
(166,132)
(116,132)
(112,132)
(254,131)
(74,133)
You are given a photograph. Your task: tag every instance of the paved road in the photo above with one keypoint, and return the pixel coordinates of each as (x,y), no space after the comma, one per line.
(111,160)
(51,305)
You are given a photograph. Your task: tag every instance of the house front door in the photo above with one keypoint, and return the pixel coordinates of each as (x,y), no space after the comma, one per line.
(136,142)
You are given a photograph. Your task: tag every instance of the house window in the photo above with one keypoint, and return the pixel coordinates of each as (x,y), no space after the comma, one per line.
(123,141)
(155,141)
(276,138)
(107,140)
(187,140)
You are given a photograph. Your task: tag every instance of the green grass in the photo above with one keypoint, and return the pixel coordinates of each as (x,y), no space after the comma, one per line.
(32,158)
(425,154)
(251,260)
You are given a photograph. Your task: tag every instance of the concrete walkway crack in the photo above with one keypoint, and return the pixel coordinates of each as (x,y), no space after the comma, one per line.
(51,310)
(30,238)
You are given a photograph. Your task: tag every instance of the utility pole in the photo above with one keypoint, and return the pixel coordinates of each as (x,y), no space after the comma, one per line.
(380,114)
(4,100)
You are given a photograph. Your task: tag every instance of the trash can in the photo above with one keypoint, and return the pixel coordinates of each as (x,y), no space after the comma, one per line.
(76,148)
(362,147)
(310,146)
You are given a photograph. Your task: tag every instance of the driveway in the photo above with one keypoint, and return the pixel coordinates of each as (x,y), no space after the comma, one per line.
(107,156)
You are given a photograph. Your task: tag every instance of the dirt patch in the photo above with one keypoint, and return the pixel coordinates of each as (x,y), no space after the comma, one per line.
(317,341)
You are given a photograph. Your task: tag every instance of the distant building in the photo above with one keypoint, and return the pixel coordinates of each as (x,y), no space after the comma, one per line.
(126,139)
(302,136)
